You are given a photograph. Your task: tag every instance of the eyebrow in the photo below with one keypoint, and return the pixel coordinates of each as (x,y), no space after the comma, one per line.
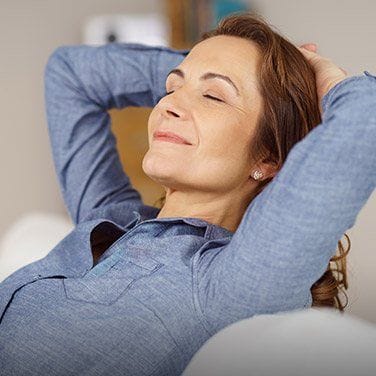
(207,76)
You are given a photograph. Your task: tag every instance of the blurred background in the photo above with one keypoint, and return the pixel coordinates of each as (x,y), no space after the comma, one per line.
(33,217)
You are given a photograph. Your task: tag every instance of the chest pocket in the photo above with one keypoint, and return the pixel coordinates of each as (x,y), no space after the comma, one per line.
(107,287)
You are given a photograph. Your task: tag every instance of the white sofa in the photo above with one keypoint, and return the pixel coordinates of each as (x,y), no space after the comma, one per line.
(311,342)
(30,238)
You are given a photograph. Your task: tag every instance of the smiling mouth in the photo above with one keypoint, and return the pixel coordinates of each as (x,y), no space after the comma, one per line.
(170,138)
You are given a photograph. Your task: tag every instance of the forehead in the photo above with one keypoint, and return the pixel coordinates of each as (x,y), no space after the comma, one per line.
(235,57)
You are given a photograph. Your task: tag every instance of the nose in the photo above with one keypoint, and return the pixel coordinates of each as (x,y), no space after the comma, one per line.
(172,107)
(172,112)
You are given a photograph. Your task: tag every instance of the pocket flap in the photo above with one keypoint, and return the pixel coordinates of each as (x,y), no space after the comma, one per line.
(100,290)
(107,287)
(138,258)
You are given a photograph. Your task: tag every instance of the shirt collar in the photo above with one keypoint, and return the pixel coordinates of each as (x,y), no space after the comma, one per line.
(212,231)
(64,260)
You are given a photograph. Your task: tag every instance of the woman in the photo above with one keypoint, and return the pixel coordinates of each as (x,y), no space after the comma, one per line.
(257,198)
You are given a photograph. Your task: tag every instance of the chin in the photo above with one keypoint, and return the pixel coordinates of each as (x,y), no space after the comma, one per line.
(157,166)
(164,171)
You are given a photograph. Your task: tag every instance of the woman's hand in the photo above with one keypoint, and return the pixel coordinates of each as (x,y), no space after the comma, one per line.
(327,73)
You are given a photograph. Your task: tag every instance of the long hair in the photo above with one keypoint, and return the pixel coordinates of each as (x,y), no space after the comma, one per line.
(291,110)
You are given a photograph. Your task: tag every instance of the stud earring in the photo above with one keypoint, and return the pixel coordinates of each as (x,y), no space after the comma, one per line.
(257,175)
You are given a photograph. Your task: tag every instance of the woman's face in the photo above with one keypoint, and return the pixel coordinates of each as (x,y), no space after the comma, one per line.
(219,130)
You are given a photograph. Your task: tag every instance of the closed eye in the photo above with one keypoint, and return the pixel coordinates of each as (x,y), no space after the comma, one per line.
(206,95)
(211,97)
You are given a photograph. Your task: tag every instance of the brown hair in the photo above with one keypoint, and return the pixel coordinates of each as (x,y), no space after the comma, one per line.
(291,110)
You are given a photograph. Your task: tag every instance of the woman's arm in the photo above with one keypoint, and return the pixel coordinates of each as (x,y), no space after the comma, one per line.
(81,83)
(290,230)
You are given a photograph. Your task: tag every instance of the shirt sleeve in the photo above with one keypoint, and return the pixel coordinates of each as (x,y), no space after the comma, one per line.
(291,229)
(82,82)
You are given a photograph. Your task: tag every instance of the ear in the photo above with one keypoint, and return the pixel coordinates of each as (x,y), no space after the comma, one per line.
(269,169)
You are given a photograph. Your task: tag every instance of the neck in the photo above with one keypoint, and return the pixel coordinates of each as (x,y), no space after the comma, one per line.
(224,210)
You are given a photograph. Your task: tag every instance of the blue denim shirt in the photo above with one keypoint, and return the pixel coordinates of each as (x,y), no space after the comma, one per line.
(166,285)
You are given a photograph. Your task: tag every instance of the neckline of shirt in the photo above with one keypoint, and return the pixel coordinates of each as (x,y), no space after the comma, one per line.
(212,231)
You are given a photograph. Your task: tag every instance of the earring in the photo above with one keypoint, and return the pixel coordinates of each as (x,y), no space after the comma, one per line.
(257,175)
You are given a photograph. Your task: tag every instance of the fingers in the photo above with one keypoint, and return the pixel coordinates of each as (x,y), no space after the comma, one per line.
(309,50)
(310,46)
(309,54)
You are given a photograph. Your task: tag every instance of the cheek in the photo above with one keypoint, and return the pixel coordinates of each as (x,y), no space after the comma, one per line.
(225,136)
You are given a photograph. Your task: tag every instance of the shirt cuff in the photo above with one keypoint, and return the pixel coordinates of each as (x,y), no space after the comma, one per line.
(328,96)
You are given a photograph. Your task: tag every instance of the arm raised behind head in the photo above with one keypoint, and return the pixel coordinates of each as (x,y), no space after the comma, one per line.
(81,83)
(291,229)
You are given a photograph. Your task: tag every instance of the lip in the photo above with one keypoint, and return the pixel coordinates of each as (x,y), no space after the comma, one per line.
(170,137)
